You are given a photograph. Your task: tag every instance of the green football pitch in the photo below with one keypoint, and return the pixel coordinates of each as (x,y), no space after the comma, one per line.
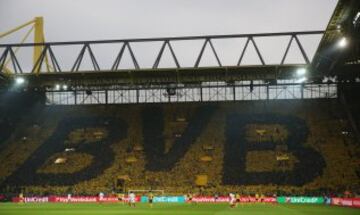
(171,209)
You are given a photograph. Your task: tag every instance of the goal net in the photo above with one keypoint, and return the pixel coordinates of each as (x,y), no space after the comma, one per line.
(145,192)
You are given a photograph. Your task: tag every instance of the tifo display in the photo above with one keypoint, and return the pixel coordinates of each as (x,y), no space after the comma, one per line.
(205,149)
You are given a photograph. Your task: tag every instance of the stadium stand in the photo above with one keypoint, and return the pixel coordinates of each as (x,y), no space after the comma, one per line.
(280,147)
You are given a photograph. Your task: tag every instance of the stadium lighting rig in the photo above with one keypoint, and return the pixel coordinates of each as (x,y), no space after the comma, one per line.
(301,75)
(300,72)
(19,81)
(342,42)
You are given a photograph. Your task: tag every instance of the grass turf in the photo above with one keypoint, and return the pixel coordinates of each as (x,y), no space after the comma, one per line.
(171,209)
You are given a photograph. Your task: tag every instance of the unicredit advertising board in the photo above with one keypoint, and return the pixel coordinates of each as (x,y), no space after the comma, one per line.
(301,200)
(253,199)
(348,202)
(73,199)
(211,199)
(169,199)
(109,199)
(38,199)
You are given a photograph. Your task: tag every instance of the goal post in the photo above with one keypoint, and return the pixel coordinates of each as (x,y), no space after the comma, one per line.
(161,192)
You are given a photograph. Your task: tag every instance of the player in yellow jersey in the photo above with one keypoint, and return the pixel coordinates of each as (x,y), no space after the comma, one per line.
(237,197)
(262,198)
(257,197)
(189,197)
(21,198)
(120,197)
(151,198)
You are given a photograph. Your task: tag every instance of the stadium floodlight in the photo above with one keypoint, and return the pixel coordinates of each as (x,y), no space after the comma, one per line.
(65,87)
(301,72)
(342,42)
(19,80)
(57,87)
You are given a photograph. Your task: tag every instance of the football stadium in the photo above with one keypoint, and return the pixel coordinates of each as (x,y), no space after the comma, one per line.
(180,107)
